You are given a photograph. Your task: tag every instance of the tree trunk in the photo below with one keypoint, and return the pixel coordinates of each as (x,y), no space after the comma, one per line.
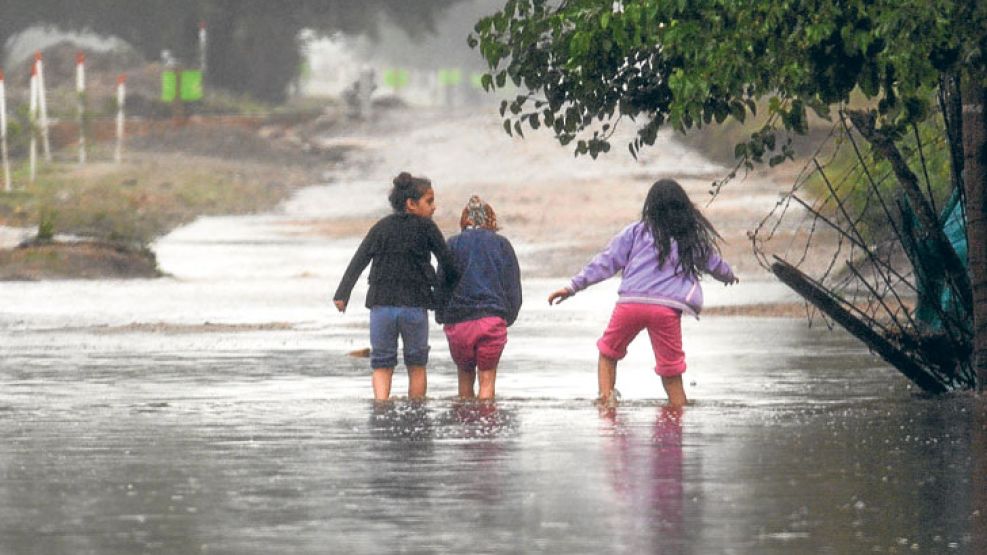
(975,186)
(955,272)
(830,306)
(979,476)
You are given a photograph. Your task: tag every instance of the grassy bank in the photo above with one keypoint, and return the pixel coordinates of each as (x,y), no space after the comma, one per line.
(135,202)
(119,209)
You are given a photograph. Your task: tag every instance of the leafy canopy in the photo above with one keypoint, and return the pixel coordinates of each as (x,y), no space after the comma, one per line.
(585,64)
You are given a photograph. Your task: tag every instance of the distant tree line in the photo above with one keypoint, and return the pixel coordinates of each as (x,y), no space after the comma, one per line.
(253,44)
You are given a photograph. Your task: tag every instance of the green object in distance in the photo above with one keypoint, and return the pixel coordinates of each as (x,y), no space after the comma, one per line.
(396,78)
(450,77)
(191,85)
(169,86)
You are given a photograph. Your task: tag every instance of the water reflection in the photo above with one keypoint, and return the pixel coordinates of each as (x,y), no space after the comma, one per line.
(439,475)
(647,477)
(406,422)
(666,473)
(401,446)
(979,445)
(482,419)
(485,431)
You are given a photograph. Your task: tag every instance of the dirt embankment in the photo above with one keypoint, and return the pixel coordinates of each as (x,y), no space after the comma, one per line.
(559,211)
(75,260)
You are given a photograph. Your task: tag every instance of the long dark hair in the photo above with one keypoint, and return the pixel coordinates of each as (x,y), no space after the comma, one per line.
(407,187)
(670,214)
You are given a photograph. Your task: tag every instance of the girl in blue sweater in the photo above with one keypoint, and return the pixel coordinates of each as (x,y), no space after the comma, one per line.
(477,312)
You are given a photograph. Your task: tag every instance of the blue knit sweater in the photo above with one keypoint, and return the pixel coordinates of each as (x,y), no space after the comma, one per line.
(489,282)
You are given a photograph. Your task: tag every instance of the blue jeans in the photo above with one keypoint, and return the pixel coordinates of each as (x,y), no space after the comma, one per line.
(386,323)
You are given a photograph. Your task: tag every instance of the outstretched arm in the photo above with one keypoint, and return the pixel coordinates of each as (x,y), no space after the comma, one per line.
(720,270)
(559,295)
(604,265)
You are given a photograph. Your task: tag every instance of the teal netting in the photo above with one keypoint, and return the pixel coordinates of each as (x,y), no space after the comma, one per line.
(935,296)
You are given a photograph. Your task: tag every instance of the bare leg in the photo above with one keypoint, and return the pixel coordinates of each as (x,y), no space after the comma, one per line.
(417,382)
(488,379)
(466,380)
(675,390)
(382,383)
(607,374)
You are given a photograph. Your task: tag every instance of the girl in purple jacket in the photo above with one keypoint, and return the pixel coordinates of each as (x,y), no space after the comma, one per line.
(662,257)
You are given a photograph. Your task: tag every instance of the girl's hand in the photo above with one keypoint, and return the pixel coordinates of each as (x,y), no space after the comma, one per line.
(733,281)
(560,295)
(340,305)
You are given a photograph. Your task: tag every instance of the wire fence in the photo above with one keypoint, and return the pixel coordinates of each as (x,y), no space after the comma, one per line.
(848,238)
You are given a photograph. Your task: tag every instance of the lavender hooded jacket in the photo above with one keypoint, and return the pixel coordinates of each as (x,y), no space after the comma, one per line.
(633,251)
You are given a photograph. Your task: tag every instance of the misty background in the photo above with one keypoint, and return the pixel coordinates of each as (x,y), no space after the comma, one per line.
(258,48)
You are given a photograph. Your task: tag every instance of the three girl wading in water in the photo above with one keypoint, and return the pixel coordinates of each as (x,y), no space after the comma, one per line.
(476,291)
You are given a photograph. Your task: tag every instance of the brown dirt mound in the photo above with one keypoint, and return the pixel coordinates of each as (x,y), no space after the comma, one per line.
(79,260)
(171,328)
(769,310)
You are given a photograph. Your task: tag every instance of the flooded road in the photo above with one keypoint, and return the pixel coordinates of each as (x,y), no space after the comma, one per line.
(216,411)
(262,442)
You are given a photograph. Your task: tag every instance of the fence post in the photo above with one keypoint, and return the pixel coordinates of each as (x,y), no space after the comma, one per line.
(121,98)
(202,47)
(80,92)
(3,135)
(43,107)
(32,117)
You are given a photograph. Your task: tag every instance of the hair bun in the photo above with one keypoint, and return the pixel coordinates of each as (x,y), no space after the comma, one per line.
(403,179)
(406,186)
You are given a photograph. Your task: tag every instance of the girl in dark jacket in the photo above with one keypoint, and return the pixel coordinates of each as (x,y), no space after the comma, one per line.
(401,283)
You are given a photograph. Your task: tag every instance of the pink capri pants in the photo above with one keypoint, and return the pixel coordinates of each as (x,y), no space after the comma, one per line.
(477,343)
(664,325)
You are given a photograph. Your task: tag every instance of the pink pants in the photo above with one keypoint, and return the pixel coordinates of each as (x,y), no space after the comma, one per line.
(477,343)
(664,326)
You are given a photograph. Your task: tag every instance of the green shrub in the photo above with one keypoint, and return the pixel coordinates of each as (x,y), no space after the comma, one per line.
(46,224)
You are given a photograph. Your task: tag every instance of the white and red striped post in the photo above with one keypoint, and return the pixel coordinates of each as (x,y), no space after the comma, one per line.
(80,92)
(202,46)
(32,116)
(121,100)
(3,135)
(43,106)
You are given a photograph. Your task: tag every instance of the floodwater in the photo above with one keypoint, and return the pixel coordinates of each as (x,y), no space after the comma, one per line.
(128,425)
